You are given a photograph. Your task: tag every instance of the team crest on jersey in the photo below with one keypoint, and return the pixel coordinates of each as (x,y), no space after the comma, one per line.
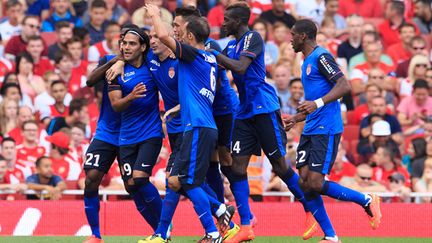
(308,69)
(171,72)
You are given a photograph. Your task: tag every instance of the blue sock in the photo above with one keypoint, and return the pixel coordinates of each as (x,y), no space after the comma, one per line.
(342,193)
(316,206)
(151,197)
(240,189)
(168,208)
(144,209)
(91,206)
(214,179)
(291,179)
(212,197)
(202,208)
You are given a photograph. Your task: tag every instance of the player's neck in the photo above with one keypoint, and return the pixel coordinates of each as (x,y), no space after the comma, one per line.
(164,55)
(242,30)
(137,62)
(308,48)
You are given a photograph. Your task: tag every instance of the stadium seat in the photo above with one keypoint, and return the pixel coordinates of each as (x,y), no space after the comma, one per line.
(350,118)
(351,132)
(49,38)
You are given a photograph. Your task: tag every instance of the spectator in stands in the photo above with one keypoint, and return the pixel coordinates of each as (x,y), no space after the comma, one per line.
(424,184)
(78,139)
(30,84)
(78,112)
(39,8)
(8,115)
(296,97)
(415,109)
(331,10)
(64,33)
(386,162)
(380,136)
(35,47)
(13,91)
(18,43)
(15,172)
(272,51)
(45,180)
(12,26)
(215,18)
(368,38)
(65,162)
(389,29)
(97,23)
(58,109)
(397,185)
(5,183)
(372,90)
(418,66)
(364,8)
(352,46)
(280,33)
(418,155)
(278,14)
(45,99)
(342,167)
(287,55)
(378,107)
(423,16)
(281,77)
(401,51)
(362,180)
(61,12)
(29,150)
(359,75)
(387,85)
(63,63)
(417,47)
(139,16)
(24,114)
(75,48)
(115,12)
(108,46)
(311,9)
(328,28)
(84,35)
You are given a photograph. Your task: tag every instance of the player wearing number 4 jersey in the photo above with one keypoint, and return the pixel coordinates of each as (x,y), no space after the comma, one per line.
(324,84)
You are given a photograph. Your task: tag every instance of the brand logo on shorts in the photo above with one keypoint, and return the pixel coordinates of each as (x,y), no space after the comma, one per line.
(171,72)
(316,165)
(308,69)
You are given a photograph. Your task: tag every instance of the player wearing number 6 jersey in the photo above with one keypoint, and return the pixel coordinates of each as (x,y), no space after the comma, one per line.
(324,83)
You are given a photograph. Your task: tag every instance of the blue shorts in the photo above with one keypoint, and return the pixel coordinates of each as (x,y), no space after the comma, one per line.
(224,125)
(264,131)
(100,155)
(141,156)
(193,159)
(175,140)
(318,152)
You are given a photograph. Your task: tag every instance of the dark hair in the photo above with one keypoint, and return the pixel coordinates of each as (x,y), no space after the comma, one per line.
(58,56)
(98,4)
(8,139)
(199,27)
(187,11)
(80,126)
(420,84)
(294,80)
(112,23)
(29,122)
(307,27)
(77,105)
(29,17)
(374,34)
(62,24)
(72,40)
(127,27)
(389,152)
(241,11)
(20,57)
(399,6)
(143,38)
(80,32)
(12,3)
(372,116)
(407,25)
(419,145)
(39,160)
(57,82)
(7,86)
(264,22)
(6,77)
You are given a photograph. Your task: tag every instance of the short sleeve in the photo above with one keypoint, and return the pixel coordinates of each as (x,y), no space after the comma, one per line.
(44,112)
(32,179)
(253,45)
(185,52)
(102,61)
(213,45)
(328,67)
(56,180)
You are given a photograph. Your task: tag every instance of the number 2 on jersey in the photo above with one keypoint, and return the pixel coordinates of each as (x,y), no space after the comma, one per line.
(89,159)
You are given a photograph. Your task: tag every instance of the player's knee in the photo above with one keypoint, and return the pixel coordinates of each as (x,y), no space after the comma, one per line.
(315,185)
(174,183)
(92,180)
(303,183)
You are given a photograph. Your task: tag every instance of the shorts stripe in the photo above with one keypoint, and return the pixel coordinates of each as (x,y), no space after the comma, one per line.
(329,154)
(278,133)
(193,156)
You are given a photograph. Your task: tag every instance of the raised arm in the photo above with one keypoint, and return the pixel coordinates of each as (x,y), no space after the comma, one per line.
(162,33)
(99,73)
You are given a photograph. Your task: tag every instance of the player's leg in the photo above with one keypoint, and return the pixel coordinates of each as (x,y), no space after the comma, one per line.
(321,161)
(147,154)
(197,146)
(99,158)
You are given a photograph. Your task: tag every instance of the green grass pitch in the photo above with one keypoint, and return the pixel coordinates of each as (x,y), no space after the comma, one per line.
(132,239)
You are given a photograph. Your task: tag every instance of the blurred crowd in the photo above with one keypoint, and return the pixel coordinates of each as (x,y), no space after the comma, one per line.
(48,115)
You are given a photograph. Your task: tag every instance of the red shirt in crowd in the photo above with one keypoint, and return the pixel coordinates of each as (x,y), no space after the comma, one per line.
(390,33)
(81,69)
(16,45)
(6,66)
(28,156)
(348,170)
(380,175)
(361,71)
(15,176)
(398,54)
(362,111)
(55,113)
(44,65)
(75,82)
(68,167)
(365,8)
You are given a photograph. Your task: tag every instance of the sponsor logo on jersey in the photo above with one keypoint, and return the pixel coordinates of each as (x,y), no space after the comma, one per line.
(207,93)
(155,62)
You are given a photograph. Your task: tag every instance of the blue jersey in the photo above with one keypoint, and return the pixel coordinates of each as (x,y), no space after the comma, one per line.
(197,85)
(319,75)
(108,126)
(165,74)
(140,120)
(256,95)
(226,100)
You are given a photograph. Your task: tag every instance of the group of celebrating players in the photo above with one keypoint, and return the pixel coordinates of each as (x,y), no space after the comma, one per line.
(210,128)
